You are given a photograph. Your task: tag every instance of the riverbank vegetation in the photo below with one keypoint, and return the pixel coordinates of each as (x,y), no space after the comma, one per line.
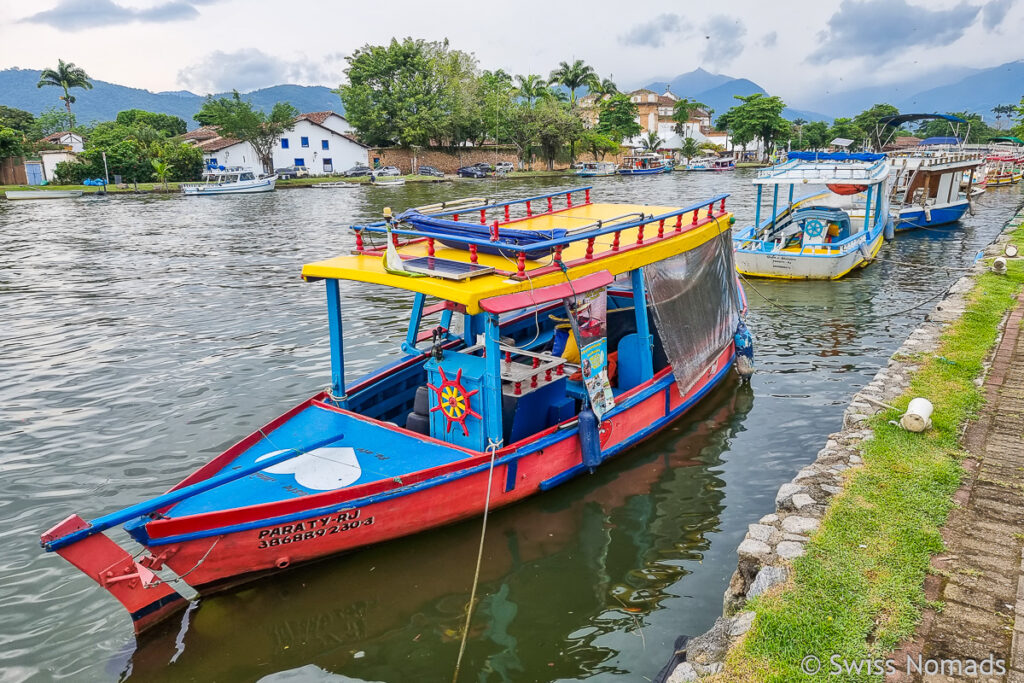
(858,592)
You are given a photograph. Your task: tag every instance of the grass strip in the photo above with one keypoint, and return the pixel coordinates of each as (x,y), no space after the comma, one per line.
(858,591)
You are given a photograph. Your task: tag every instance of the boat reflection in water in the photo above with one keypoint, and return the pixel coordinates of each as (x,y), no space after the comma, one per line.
(619,542)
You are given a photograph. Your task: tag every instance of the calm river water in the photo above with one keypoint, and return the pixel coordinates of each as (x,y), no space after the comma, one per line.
(140,336)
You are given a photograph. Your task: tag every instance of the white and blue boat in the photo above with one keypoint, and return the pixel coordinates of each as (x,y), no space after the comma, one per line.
(645,164)
(595,169)
(230,181)
(709,164)
(823,235)
(927,187)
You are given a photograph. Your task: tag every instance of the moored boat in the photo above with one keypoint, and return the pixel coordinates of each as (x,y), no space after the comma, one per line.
(595,169)
(1004,170)
(709,164)
(824,235)
(16,195)
(644,164)
(926,189)
(468,416)
(229,181)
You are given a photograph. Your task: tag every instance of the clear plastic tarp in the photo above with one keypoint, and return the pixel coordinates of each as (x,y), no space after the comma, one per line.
(696,306)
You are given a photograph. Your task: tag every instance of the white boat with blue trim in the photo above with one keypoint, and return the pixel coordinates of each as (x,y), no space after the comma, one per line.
(823,235)
(230,181)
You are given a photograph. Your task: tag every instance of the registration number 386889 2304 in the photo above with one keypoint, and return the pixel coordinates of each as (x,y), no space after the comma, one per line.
(311,529)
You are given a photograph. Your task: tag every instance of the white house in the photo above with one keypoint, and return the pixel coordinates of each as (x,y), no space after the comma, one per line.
(321,141)
(50,159)
(67,139)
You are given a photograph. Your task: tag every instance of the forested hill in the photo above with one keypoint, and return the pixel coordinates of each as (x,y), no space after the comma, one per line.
(102,103)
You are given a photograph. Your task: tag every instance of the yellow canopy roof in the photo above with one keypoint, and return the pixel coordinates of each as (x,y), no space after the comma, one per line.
(370,268)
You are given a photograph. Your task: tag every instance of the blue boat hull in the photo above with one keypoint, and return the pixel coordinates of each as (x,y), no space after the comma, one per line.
(911,217)
(642,171)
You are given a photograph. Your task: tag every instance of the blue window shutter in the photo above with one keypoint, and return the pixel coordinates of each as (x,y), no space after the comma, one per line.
(284,143)
(305,141)
(325,144)
(299,161)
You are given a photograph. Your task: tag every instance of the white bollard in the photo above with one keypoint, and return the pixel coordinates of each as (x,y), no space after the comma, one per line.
(918,415)
(999,265)
(1010,250)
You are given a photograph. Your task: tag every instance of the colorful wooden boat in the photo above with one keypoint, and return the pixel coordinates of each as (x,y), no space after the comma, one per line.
(645,164)
(1004,170)
(926,188)
(822,236)
(484,406)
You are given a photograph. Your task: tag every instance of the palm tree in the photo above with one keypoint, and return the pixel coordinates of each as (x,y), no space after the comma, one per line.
(605,86)
(65,76)
(574,76)
(689,149)
(799,123)
(532,87)
(162,168)
(682,111)
(651,142)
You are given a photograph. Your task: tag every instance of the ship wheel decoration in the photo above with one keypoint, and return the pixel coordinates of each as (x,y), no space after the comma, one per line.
(453,401)
(814,227)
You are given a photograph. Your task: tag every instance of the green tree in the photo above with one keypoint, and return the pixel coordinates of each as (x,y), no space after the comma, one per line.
(868,121)
(557,126)
(651,142)
(186,161)
(162,170)
(52,120)
(18,119)
(409,92)
(495,95)
(757,116)
(237,118)
(1018,129)
(1001,110)
(815,135)
(617,118)
(975,130)
(574,76)
(683,110)
(799,124)
(847,128)
(604,86)
(531,88)
(689,149)
(167,124)
(599,145)
(523,131)
(11,143)
(65,76)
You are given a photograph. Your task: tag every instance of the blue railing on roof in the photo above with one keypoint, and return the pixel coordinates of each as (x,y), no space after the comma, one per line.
(834,156)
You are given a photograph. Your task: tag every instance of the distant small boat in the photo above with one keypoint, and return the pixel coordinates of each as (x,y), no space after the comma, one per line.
(709,164)
(594,169)
(645,164)
(328,186)
(230,181)
(42,194)
(390,182)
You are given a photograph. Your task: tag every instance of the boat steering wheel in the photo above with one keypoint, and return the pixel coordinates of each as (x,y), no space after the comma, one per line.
(814,227)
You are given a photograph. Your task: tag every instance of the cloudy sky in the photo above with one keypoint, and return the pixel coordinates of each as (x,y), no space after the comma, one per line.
(791,47)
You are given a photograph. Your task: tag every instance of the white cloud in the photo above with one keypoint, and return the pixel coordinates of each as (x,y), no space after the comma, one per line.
(251,69)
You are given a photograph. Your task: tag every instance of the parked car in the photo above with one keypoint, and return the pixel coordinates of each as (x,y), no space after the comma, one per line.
(484,166)
(471,172)
(357,171)
(289,172)
(387,171)
(430,170)
(505,167)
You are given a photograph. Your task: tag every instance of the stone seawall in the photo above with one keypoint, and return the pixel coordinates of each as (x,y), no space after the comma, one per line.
(777,538)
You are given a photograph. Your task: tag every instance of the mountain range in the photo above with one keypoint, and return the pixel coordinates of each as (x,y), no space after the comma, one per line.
(951,89)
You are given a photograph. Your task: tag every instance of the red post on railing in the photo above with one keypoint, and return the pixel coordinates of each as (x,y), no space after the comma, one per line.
(615,242)
(711,209)
(590,248)
(394,239)
(551,206)
(721,208)
(472,253)
(483,216)
(568,199)
(359,240)
(494,232)
(559,370)
(661,228)
(529,209)
(506,213)
(640,234)
(558,254)
(695,211)
(519,388)
(533,382)
(521,264)
(586,196)
(455,216)
(535,363)
(679,222)
(430,246)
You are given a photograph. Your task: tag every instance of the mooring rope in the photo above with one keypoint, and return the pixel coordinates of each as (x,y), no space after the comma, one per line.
(492,446)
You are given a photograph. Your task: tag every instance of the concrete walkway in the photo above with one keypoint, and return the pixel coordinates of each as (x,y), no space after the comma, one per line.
(980,577)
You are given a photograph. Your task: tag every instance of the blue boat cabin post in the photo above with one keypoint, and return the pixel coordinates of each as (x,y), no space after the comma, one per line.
(643,330)
(337,342)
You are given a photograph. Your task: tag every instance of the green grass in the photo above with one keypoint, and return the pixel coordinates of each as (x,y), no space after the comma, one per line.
(858,591)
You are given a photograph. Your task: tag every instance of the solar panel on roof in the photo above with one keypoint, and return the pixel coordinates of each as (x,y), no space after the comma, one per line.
(445,268)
